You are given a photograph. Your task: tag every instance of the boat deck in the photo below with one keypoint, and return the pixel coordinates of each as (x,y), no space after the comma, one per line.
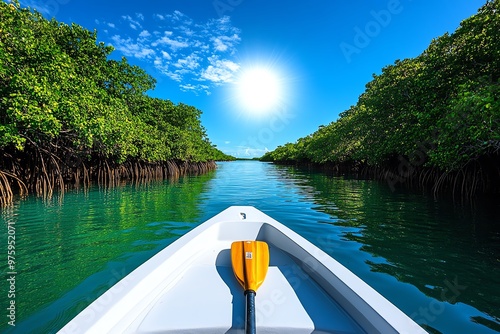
(288,301)
(189,287)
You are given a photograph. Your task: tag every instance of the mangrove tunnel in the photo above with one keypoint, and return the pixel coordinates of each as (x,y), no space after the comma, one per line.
(431,121)
(70,115)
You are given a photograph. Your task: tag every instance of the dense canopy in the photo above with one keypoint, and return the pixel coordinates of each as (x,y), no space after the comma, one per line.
(440,109)
(66,104)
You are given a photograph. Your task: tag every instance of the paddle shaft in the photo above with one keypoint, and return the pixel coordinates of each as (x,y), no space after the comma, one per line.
(250,327)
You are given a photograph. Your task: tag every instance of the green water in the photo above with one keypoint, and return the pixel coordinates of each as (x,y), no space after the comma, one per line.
(437,261)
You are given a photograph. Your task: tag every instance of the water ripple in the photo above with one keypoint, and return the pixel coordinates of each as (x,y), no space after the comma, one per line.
(412,249)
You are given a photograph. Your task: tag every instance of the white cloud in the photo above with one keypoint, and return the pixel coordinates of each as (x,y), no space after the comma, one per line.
(198,55)
(172,43)
(187,31)
(158,62)
(111,25)
(178,16)
(219,45)
(161,66)
(129,48)
(195,88)
(224,20)
(190,62)
(166,55)
(174,76)
(223,43)
(188,87)
(221,71)
(248,152)
(144,34)
(132,23)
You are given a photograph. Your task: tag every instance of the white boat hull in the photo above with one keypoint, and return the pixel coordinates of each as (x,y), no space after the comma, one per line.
(189,287)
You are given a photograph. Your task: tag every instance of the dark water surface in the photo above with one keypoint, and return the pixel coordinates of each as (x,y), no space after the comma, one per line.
(437,261)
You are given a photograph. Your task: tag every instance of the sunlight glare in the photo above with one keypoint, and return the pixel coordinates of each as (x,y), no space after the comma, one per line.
(259,90)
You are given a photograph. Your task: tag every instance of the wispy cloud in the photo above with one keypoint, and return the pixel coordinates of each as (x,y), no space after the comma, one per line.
(197,55)
(247,152)
(173,44)
(131,48)
(219,71)
(134,24)
(190,62)
(196,89)
(225,43)
(144,34)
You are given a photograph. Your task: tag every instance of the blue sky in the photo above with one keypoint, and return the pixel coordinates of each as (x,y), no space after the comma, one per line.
(319,54)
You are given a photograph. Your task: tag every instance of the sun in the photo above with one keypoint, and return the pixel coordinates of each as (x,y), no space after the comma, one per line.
(259,90)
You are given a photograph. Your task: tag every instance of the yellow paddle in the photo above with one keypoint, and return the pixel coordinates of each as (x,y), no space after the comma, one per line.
(250,260)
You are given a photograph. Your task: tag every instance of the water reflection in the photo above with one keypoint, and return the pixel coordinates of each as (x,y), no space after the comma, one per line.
(74,247)
(449,252)
(437,261)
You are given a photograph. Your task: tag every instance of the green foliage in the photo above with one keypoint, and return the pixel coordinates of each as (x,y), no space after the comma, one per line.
(444,103)
(59,89)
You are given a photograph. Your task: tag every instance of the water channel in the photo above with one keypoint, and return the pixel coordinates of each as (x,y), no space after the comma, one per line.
(437,260)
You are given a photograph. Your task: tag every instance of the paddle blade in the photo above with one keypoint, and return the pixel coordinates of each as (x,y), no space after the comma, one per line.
(250,260)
